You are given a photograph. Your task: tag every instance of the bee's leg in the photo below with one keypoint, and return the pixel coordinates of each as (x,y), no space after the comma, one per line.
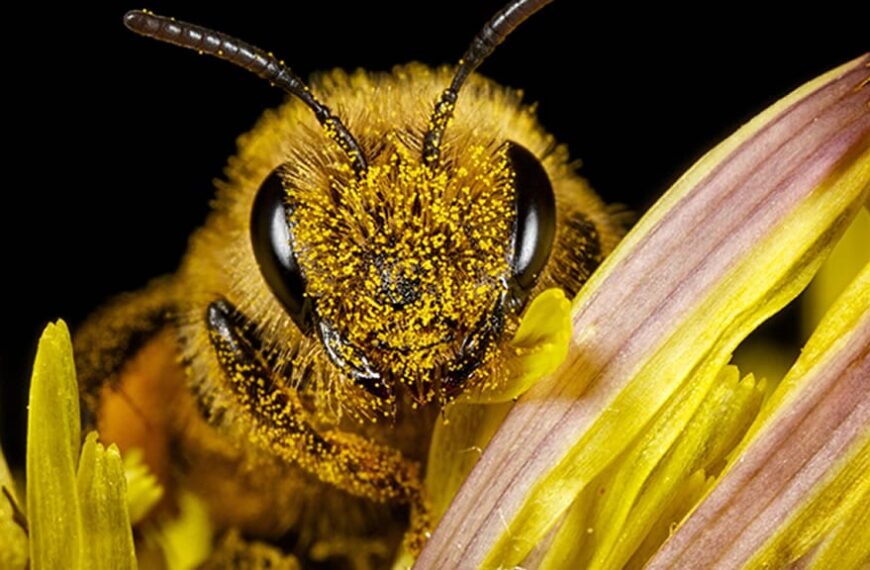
(282,425)
(127,362)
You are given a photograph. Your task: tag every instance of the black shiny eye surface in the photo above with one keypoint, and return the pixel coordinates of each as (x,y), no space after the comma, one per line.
(273,249)
(535,227)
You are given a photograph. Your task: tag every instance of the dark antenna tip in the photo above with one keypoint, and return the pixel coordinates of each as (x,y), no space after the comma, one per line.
(133,19)
(142,22)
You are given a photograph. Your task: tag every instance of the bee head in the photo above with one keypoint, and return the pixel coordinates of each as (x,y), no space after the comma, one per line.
(402,258)
(406,272)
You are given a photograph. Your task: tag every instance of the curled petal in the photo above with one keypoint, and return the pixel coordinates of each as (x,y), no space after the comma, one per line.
(538,348)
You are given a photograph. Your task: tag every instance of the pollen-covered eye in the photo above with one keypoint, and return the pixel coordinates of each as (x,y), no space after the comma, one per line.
(535,226)
(273,249)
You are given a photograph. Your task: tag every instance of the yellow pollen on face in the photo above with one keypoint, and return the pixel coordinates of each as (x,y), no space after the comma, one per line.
(405,260)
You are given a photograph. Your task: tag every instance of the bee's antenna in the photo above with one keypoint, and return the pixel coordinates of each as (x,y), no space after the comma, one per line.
(483,44)
(248,57)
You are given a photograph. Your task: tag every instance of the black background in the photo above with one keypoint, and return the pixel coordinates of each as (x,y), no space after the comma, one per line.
(115,140)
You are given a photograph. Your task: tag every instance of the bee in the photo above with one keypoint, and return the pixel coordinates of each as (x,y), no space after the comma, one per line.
(369,256)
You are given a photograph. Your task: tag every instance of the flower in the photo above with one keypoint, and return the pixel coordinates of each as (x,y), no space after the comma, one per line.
(596,461)
(76,496)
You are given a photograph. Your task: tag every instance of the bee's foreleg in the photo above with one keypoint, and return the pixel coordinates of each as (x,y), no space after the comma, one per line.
(281,424)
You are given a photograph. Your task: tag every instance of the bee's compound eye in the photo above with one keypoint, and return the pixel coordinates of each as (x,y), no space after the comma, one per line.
(274,250)
(535,226)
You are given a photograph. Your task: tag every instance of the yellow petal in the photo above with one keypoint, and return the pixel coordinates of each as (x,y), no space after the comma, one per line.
(732,242)
(574,542)
(688,494)
(538,348)
(804,467)
(711,414)
(714,429)
(105,525)
(845,547)
(53,440)
(541,342)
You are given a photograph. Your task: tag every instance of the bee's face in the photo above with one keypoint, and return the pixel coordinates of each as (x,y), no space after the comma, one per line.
(406,272)
(407,264)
